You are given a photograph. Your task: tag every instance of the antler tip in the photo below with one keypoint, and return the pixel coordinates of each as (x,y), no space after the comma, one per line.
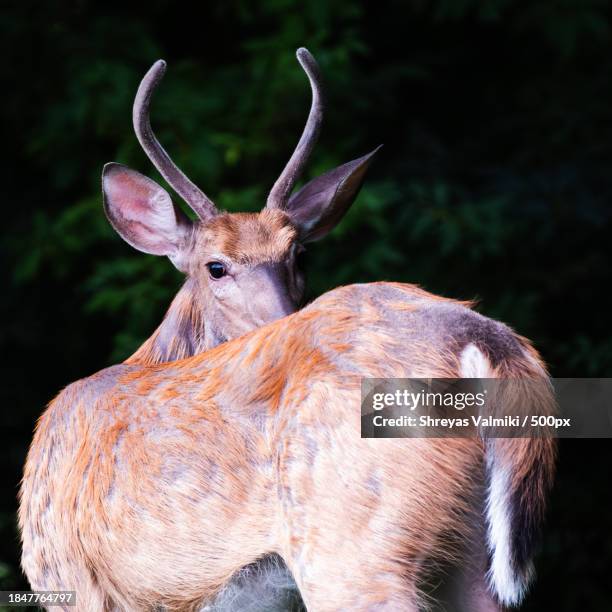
(308,64)
(304,55)
(158,68)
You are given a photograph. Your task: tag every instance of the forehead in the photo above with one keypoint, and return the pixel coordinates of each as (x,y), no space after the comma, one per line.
(249,237)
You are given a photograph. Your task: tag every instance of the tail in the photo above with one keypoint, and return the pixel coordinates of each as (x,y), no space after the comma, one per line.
(520,471)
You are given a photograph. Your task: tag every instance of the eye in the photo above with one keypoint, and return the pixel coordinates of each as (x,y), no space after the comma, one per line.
(216,269)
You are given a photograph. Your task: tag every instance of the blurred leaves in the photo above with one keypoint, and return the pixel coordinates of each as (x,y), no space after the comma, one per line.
(494,182)
(449,203)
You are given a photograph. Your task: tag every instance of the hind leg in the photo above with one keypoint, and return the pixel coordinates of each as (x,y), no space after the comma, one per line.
(464,587)
(331,583)
(474,592)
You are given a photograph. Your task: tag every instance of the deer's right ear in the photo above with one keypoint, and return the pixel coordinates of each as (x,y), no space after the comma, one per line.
(144,215)
(318,206)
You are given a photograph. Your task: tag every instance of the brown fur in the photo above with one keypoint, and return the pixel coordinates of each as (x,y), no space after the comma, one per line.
(151,486)
(249,238)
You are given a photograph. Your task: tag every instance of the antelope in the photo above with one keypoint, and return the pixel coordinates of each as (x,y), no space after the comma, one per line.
(241,268)
(148,487)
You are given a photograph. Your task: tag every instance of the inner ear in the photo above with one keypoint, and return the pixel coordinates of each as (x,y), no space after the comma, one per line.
(143,213)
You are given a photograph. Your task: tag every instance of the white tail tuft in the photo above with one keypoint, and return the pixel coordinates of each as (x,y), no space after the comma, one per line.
(503,579)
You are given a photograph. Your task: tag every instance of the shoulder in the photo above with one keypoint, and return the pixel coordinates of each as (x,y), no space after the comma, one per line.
(87,393)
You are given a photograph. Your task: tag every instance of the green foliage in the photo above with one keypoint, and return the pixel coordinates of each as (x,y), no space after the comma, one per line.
(493,183)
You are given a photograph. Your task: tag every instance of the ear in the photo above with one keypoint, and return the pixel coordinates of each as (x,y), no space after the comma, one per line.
(143,214)
(318,206)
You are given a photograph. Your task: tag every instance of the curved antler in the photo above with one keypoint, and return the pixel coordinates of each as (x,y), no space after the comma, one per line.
(198,201)
(281,190)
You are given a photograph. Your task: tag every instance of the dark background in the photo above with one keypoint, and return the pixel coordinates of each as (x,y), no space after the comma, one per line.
(495,182)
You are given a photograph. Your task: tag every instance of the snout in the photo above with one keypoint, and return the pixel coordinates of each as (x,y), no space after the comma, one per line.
(270,295)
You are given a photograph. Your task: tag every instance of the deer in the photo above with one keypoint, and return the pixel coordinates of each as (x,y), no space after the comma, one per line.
(242,268)
(148,487)
(144,215)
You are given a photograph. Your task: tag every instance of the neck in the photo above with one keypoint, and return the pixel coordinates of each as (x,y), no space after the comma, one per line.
(181,334)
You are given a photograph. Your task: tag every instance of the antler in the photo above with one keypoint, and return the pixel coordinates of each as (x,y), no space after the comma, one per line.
(198,201)
(279,195)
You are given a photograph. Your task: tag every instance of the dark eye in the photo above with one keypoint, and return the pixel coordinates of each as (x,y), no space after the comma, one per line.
(216,269)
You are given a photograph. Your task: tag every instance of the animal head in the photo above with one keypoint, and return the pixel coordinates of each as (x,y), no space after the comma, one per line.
(242,266)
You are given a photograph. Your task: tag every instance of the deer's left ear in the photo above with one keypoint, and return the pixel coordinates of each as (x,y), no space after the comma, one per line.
(318,206)
(143,214)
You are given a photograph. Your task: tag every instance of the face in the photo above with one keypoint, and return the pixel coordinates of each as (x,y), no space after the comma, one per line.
(245,266)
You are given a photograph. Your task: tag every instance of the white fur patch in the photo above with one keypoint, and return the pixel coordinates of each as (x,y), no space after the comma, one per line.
(473,363)
(503,580)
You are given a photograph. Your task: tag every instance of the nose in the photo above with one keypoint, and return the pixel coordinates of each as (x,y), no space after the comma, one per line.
(269,297)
